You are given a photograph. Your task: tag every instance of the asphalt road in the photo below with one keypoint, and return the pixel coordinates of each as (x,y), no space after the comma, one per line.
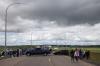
(42,61)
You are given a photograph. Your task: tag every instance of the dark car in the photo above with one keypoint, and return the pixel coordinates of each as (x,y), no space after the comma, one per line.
(61,52)
(38,51)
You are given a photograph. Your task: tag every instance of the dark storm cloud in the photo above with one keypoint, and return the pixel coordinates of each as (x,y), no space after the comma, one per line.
(65,12)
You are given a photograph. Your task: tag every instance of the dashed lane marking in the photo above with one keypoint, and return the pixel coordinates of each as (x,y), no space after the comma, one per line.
(49,60)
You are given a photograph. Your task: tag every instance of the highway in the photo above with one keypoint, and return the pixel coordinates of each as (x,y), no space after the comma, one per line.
(42,61)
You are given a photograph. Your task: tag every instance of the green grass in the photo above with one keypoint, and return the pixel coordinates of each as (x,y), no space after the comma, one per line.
(95,56)
(97,50)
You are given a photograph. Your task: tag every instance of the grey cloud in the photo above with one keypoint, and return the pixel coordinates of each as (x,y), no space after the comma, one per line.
(64,12)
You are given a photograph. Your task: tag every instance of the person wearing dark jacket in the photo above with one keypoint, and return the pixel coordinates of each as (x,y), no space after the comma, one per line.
(72,55)
(87,54)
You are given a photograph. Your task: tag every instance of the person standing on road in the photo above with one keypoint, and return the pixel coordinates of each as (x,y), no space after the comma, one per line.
(17,51)
(72,55)
(20,52)
(87,54)
(76,54)
(80,54)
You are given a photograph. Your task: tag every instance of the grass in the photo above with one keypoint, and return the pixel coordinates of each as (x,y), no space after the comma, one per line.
(94,57)
(97,50)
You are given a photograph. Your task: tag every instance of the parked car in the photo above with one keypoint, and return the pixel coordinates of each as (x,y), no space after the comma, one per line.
(38,51)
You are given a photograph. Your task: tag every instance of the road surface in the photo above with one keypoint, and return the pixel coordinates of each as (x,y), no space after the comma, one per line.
(42,61)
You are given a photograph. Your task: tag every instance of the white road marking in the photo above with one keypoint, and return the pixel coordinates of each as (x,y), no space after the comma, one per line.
(49,60)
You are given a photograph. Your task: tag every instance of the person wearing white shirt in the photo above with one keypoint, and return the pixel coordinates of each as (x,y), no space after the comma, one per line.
(76,55)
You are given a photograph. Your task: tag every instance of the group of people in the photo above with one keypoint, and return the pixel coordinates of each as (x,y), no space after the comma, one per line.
(79,54)
(26,51)
(74,54)
(12,53)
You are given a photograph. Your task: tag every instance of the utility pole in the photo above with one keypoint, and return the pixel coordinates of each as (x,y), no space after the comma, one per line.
(6,21)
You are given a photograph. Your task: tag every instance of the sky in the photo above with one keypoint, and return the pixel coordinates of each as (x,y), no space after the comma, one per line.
(47,21)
